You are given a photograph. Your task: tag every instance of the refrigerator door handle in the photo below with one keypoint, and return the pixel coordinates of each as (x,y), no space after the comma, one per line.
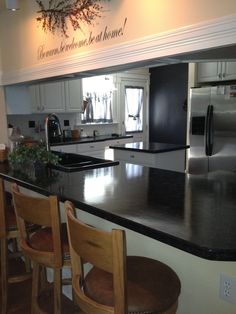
(209,131)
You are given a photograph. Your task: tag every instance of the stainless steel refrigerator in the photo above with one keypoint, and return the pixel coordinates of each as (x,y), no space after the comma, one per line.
(212,129)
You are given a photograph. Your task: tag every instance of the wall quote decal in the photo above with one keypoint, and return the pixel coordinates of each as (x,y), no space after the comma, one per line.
(58,13)
(70,44)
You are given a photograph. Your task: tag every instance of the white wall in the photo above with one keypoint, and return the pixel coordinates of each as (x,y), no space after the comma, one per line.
(22,36)
(3,120)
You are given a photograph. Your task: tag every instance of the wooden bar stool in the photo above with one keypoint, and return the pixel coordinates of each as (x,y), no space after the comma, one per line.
(9,233)
(117,284)
(47,246)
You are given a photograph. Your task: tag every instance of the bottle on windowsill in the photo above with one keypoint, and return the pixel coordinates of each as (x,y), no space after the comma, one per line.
(82,133)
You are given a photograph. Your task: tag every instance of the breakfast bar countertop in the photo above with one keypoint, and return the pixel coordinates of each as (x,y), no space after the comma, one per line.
(88,139)
(149,147)
(194,213)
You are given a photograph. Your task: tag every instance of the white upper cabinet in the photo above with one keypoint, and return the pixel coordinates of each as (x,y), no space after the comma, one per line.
(74,95)
(48,97)
(59,96)
(216,71)
(229,71)
(17,99)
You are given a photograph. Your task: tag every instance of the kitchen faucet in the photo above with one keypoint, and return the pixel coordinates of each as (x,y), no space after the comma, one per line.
(47,127)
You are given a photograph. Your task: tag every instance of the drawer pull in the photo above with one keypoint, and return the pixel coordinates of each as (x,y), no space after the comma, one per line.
(91,146)
(132,156)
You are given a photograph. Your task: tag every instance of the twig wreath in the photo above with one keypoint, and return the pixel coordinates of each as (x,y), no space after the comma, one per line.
(57,13)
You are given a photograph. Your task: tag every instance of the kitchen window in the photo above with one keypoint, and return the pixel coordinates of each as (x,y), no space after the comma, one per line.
(134,97)
(98,99)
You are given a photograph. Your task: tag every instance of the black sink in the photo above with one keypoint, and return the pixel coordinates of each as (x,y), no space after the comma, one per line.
(72,162)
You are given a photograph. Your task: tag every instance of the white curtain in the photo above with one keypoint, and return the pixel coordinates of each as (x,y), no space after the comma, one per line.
(133,108)
(99,108)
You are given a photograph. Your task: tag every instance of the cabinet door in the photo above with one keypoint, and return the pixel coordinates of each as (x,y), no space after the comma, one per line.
(229,72)
(209,71)
(109,152)
(35,99)
(90,148)
(52,97)
(74,95)
(133,157)
(119,141)
(17,99)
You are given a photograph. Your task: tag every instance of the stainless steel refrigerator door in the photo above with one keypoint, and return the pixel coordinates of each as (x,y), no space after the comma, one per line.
(223,99)
(199,102)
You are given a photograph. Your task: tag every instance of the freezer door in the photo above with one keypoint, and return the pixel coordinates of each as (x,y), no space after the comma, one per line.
(199,102)
(223,99)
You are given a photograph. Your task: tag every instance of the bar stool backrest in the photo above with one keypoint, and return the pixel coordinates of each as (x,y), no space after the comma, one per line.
(104,250)
(43,212)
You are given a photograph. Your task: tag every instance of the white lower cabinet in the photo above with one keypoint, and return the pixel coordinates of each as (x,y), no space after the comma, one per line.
(119,141)
(95,149)
(174,160)
(109,152)
(65,148)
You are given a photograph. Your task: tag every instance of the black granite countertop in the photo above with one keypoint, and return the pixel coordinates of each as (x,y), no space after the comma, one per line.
(92,139)
(194,213)
(150,147)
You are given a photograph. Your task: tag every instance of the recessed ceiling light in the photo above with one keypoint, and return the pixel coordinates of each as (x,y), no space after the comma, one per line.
(12,4)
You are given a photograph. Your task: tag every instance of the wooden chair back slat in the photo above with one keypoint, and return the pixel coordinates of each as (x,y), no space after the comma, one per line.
(93,245)
(104,250)
(33,210)
(41,212)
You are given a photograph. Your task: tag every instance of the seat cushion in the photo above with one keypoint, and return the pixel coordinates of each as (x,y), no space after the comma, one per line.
(152,286)
(41,240)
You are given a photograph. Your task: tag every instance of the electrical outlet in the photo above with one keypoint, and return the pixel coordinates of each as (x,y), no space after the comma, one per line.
(228,288)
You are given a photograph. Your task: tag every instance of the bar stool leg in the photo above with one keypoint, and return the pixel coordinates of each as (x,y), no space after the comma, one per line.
(35,288)
(4,272)
(57,290)
(43,278)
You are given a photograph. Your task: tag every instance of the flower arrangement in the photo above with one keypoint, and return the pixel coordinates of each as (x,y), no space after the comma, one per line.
(26,154)
(56,14)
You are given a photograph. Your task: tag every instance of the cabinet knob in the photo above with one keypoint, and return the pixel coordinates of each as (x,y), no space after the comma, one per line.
(131,156)
(223,75)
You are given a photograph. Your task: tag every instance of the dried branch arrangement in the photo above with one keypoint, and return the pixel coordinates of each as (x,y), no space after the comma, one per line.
(57,13)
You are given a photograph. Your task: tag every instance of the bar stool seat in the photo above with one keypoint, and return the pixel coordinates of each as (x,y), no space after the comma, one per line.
(42,240)
(146,279)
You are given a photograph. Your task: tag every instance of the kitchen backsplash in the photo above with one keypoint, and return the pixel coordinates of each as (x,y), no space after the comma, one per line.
(32,125)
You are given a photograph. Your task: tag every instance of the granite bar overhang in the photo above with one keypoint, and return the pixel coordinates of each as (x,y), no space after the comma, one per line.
(150,147)
(194,213)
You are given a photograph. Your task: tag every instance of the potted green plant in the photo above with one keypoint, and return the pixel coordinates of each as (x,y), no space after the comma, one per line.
(24,156)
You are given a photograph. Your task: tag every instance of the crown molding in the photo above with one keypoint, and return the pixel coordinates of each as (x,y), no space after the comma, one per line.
(205,35)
